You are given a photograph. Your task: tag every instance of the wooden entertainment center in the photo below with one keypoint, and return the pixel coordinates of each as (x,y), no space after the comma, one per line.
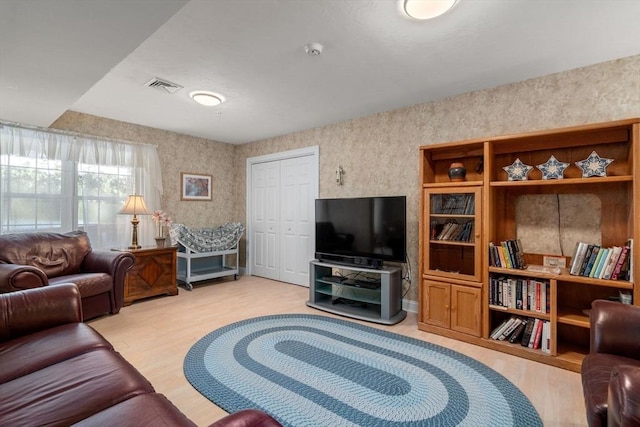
(454,293)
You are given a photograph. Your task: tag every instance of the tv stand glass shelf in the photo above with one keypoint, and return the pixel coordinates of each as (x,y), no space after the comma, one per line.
(360,293)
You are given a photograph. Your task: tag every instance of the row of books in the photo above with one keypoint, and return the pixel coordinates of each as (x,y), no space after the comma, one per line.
(452,230)
(455,204)
(602,263)
(508,254)
(520,293)
(528,332)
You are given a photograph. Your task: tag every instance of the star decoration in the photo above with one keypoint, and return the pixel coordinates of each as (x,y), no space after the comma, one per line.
(518,171)
(553,169)
(594,165)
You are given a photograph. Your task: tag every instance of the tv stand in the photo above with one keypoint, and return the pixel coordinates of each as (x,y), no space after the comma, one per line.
(379,304)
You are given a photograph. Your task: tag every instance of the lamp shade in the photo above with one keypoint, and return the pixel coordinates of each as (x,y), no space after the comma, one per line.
(135,206)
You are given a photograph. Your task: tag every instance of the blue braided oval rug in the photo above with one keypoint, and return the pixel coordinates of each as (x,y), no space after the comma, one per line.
(308,370)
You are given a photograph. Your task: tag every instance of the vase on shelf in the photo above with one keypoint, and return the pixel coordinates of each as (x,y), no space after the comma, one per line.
(457,172)
(160,241)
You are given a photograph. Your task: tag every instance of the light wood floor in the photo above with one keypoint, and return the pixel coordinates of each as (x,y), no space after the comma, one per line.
(155,334)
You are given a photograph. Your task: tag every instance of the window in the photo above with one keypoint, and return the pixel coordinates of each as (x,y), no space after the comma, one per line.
(50,181)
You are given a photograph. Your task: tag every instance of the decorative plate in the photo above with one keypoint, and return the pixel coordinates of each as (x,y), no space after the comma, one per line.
(518,171)
(553,169)
(594,165)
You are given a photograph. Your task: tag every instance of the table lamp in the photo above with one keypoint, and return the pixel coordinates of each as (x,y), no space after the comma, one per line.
(134,206)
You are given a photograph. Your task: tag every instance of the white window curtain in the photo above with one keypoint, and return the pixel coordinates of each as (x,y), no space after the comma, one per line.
(61,181)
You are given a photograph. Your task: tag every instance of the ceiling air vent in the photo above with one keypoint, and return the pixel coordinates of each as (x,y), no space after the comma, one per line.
(163,85)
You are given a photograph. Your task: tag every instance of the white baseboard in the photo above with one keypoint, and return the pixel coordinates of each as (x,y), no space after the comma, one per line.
(410,306)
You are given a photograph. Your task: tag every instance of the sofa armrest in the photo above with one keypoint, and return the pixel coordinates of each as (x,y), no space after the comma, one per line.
(32,310)
(114,263)
(624,396)
(615,329)
(15,277)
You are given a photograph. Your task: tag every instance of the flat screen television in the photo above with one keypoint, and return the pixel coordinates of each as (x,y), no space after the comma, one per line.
(364,231)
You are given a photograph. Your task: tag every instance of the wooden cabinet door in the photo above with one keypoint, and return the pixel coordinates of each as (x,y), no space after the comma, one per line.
(466,309)
(153,273)
(436,304)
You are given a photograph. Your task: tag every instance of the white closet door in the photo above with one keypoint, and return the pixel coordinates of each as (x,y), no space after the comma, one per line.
(296,218)
(265,223)
(281,191)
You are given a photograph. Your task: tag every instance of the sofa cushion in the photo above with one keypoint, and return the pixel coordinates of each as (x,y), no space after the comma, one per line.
(144,410)
(624,396)
(54,253)
(24,355)
(70,391)
(89,284)
(596,373)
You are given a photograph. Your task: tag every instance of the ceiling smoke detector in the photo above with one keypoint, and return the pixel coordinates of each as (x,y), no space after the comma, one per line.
(313,49)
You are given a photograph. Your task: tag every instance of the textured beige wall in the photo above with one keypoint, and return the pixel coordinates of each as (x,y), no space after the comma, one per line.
(380,152)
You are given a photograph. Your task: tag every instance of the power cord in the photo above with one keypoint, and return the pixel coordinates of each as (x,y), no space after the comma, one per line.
(407,277)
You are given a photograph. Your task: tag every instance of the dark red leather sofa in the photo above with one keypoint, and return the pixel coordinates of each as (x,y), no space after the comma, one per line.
(57,371)
(611,370)
(29,260)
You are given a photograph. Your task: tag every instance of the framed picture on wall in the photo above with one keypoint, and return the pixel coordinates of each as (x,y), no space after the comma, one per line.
(195,186)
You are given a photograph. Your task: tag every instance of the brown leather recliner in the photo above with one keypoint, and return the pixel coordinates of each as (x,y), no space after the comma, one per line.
(611,370)
(29,260)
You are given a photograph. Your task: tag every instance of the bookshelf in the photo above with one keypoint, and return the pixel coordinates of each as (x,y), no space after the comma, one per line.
(448,266)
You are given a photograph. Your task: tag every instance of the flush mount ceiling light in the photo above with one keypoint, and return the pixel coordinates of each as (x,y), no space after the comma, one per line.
(208,99)
(426,9)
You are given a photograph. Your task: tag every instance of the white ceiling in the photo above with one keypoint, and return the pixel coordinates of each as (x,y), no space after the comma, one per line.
(95,57)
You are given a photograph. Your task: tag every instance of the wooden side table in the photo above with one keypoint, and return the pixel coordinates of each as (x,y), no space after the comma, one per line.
(152,274)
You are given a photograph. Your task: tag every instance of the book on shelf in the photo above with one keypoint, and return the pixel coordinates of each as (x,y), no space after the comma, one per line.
(517,333)
(578,257)
(590,260)
(456,204)
(508,329)
(588,264)
(629,276)
(601,263)
(506,336)
(497,332)
(611,262)
(507,254)
(526,336)
(453,231)
(501,257)
(585,260)
(534,332)
(546,337)
(521,293)
(619,270)
(596,262)
(518,257)
(538,339)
